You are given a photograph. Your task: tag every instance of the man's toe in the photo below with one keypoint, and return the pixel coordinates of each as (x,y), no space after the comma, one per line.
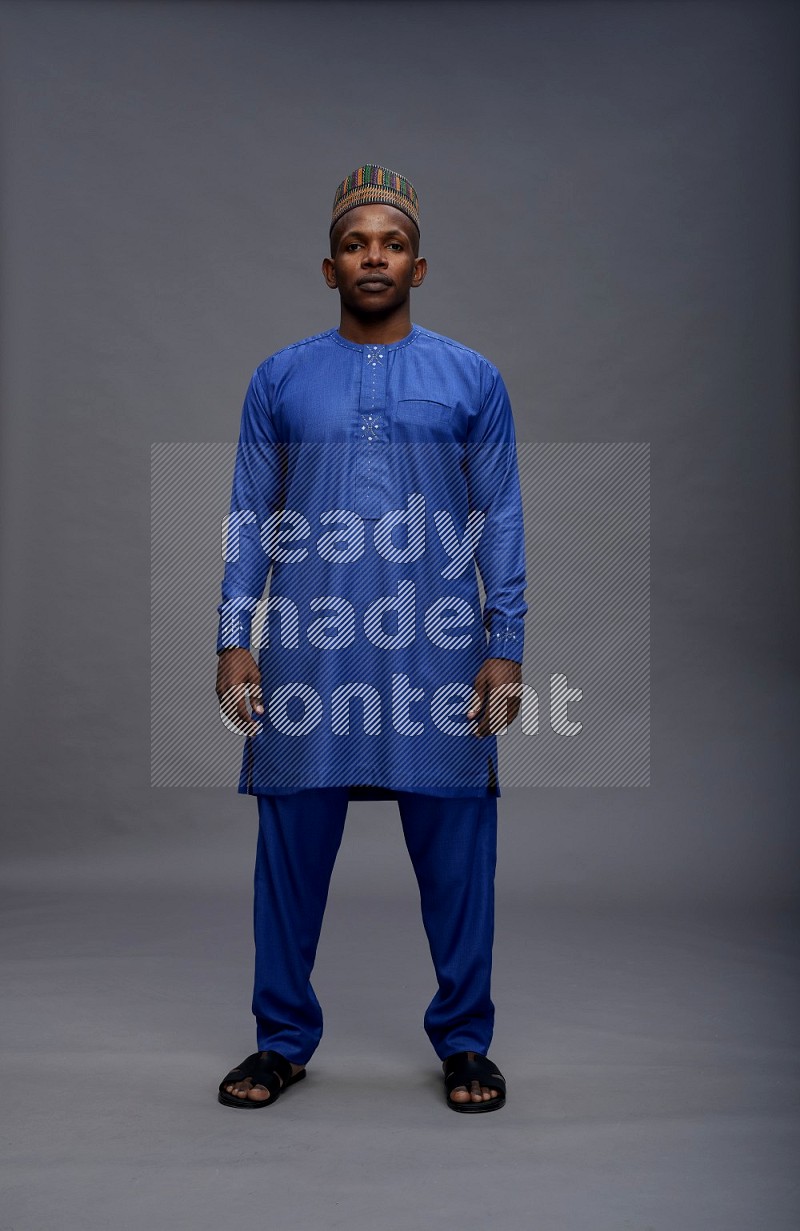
(244,1089)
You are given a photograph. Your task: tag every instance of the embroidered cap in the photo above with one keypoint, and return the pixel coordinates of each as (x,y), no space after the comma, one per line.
(373,185)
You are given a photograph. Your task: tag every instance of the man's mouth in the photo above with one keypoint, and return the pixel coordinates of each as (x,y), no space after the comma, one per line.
(374,283)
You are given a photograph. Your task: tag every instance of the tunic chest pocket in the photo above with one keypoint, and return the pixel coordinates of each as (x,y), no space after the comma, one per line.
(421,420)
(422,410)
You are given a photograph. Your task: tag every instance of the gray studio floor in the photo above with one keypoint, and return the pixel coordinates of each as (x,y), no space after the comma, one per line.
(650,1056)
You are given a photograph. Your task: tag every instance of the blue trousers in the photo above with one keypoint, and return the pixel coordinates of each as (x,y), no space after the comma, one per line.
(453,847)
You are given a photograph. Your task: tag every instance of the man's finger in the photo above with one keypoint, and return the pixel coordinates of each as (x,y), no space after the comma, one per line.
(504,705)
(234,712)
(476,701)
(246,706)
(256,695)
(243,711)
(478,698)
(502,708)
(229,707)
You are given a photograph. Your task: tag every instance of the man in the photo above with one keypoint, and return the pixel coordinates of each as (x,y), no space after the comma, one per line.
(376,465)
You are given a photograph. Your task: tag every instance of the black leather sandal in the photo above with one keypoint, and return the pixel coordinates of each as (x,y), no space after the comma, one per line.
(268,1069)
(459,1070)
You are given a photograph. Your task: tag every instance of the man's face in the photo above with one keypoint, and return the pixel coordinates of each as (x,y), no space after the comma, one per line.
(374,263)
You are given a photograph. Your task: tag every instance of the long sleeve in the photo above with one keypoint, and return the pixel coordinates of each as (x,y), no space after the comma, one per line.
(494,488)
(257,493)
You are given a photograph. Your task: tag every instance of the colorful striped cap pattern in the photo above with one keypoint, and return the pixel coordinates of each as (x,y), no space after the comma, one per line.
(373,185)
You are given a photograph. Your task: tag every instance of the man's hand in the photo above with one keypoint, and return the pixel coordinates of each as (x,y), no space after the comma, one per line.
(499,688)
(239,690)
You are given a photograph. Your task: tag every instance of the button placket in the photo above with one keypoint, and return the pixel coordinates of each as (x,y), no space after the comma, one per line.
(370,464)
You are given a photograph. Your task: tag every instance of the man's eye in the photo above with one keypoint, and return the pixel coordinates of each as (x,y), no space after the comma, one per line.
(350,247)
(396,245)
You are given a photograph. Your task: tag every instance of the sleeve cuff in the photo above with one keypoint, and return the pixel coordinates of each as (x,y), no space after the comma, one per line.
(506,640)
(235,618)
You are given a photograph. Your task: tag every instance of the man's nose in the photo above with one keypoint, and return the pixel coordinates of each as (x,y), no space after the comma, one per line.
(374,254)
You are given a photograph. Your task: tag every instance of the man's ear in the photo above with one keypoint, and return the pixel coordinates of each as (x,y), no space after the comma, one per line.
(329,273)
(420,270)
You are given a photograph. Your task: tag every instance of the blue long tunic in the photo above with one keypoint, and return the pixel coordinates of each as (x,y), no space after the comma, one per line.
(371,479)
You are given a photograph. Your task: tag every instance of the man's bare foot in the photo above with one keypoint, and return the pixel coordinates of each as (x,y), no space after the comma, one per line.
(476,1093)
(257,1094)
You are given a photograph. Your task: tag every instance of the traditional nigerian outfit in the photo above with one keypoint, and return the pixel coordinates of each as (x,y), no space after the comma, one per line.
(372,479)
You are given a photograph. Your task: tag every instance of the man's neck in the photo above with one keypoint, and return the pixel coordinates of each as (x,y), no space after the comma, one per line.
(388,329)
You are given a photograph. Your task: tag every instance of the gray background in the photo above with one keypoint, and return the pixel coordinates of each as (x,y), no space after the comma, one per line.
(609,205)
